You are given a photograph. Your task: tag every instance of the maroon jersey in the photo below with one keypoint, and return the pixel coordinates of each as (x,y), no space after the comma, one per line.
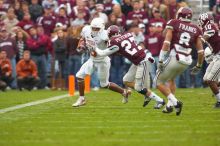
(154,43)
(63,20)
(172,11)
(48,23)
(139,15)
(25,24)
(212,31)
(184,37)
(158,22)
(128,48)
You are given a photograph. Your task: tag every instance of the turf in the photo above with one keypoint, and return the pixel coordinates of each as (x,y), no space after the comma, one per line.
(105,121)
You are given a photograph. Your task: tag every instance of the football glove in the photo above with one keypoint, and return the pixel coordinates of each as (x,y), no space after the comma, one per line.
(161,66)
(195,70)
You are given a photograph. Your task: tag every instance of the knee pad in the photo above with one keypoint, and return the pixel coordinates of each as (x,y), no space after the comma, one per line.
(104,84)
(143,91)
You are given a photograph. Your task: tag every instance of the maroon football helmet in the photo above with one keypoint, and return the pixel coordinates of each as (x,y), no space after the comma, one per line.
(205,18)
(184,14)
(113,30)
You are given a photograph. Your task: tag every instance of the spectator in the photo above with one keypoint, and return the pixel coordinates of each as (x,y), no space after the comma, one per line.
(60,49)
(38,44)
(62,18)
(172,8)
(21,37)
(26,22)
(99,13)
(79,21)
(52,3)
(126,7)
(120,17)
(3,9)
(35,9)
(80,8)
(9,45)
(20,10)
(108,5)
(157,20)
(137,15)
(72,3)
(10,21)
(27,73)
(6,68)
(91,7)
(47,21)
(162,8)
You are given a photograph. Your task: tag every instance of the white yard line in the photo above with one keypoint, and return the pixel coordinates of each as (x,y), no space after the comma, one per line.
(20,106)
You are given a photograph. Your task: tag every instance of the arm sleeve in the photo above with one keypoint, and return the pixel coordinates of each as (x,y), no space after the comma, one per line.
(107,51)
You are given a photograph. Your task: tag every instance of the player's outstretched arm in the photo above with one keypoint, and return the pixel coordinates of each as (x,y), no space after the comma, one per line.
(108,51)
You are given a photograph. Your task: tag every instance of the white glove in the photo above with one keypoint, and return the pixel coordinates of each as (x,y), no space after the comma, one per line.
(160,66)
(195,70)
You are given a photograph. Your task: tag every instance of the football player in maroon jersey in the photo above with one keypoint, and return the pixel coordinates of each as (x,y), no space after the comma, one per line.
(180,36)
(212,39)
(125,45)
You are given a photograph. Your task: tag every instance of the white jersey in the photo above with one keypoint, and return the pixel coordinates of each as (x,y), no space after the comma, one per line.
(100,41)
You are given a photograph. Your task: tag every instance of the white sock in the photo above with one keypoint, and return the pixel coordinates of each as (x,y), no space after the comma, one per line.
(169,103)
(155,97)
(218,97)
(172,98)
(82,97)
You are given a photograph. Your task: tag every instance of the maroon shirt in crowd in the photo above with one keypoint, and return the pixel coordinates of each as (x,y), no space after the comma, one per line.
(154,43)
(71,2)
(158,22)
(38,45)
(138,15)
(48,23)
(25,24)
(9,45)
(172,11)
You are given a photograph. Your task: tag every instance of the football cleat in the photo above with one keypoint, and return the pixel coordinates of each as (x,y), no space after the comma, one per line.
(167,110)
(179,107)
(79,102)
(146,100)
(159,104)
(217,105)
(125,96)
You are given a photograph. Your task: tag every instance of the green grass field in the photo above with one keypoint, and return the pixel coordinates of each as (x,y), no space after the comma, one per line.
(105,121)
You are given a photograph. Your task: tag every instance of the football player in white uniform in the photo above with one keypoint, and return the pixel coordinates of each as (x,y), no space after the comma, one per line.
(95,34)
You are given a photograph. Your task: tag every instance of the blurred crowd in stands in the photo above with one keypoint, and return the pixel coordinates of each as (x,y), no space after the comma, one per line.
(38,38)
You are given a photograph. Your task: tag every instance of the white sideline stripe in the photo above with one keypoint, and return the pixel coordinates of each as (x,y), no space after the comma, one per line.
(12,108)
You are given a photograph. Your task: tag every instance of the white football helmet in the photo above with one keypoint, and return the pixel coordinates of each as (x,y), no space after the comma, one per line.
(97,26)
